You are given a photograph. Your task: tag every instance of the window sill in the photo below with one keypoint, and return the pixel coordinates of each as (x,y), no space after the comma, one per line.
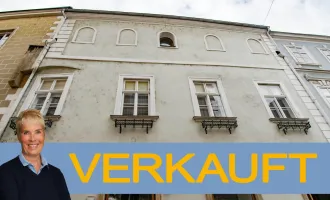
(292,123)
(134,121)
(53,117)
(220,122)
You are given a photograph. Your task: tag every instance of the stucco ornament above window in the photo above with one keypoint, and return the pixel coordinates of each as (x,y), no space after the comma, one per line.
(127,37)
(213,43)
(256,46)
(85,35)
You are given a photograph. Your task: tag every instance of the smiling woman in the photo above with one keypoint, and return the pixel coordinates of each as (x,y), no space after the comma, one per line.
(28,176)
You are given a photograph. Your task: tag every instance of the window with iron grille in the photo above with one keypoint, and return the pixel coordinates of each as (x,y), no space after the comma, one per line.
(136,97)
(209,99)
(48,94)
(276,101)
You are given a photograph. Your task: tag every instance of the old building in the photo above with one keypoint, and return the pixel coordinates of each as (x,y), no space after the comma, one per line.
(22,38)
(309,55)
(127,77)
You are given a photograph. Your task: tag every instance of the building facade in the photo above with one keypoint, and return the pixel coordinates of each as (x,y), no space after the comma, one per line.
(22,38)
(127,77)
(309,55)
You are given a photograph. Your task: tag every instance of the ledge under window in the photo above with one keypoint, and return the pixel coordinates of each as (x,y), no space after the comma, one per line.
(292,123)
(123,121)
(219,122)
(48,121)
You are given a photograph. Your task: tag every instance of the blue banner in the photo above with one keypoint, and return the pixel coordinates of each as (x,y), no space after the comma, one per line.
(188,168)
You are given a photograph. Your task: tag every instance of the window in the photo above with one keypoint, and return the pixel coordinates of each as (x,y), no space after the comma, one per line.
(135,96)
(48,94)
(276,101)
(127,37)
(233,197)
(4,35)
(300,54)
(85,35)
(167,39)
(323,87)
(325,52)
(256,46)
(129,197)
(213,43)
(208,98)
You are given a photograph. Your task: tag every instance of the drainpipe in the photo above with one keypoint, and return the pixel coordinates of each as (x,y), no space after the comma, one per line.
(37,64)
(314,100)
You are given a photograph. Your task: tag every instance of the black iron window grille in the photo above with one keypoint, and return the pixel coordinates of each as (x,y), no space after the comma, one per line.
(229,123)
(48,122)
(139,121)
(292,123)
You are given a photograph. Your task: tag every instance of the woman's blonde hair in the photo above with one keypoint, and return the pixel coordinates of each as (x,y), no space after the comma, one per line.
(29,114)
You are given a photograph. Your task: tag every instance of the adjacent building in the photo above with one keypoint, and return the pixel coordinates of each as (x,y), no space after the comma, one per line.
(128,77)
(22,38)
(309,55)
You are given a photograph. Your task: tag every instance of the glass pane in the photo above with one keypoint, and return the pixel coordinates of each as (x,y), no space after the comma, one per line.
(202,100)
(264,89)
(274,108)
(128,108)
(39,101)
(199,87)
(285,107)
(275,90)
(306,58)
(129,85)
(142,104)
(52,104)
(204,111)
(211,88)
(46,84)
(143,86)
(60,84)
(217,106)
(129,99)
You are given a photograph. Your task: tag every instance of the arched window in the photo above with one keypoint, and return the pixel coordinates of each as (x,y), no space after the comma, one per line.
(256,46)
(167,39)
(127,37)
(213,43)
(85,35)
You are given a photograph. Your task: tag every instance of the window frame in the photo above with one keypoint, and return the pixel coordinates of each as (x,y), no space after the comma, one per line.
(287,95)
(221,91)
(74,39)
(288,48)
(12,32)
(317,88)
(207,44)
(126,44)
(175,41)
(260,42)
(324,48)
(32,93)
(120,94)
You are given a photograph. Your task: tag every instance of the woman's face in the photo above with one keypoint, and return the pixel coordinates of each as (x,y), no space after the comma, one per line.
(31,137)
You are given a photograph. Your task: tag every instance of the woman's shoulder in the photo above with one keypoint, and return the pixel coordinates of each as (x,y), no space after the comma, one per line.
(10,165)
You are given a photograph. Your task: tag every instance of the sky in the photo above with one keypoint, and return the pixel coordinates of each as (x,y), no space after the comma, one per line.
(299,16)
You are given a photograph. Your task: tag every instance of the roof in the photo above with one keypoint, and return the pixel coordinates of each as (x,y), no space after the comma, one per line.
(39,9)
(165,16)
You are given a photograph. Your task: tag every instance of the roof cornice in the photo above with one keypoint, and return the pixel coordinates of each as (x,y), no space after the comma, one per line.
(166,17)
(32,13)
(300,36)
